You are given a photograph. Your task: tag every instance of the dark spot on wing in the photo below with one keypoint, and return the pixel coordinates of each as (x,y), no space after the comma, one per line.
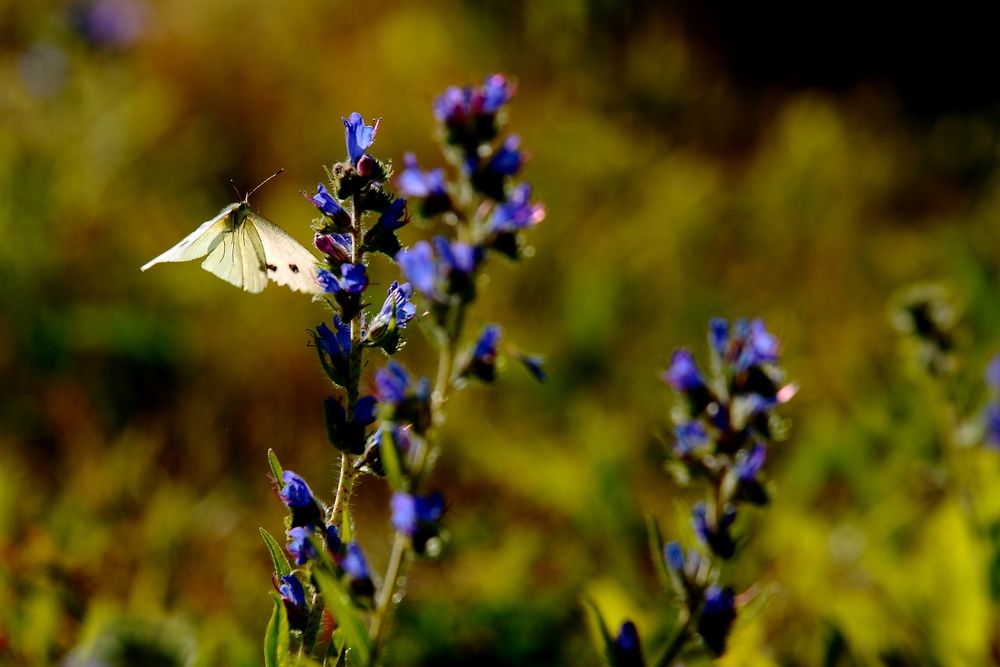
(294,268)
(272,267)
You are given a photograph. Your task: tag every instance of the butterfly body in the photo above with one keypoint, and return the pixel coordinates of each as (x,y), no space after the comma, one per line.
(246,250)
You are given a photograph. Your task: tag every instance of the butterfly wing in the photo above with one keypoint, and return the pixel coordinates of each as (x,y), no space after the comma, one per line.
(201,241)
(239,259)
(285,261)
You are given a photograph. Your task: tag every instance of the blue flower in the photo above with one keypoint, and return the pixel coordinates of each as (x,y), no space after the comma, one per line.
(748,466)
(717,616)
(993,425)
(336,247)
(295,492)
(329,207)
(691,436)
(359,136)
(336,344)
(535,364)
(354,562)
(411,514)
(495,92)
(993,373)
(755,345)
(715,535)
(483,360)
(300,545)
(628,650)
(332,537)
(353,279)
(457,257)
(683,374)
(673,554)
(394,216)
(398,304)
(417,264)
(718,335)
(517,212)
(507,160)
(403,399)
(291,591)
(415,182)
(348,436)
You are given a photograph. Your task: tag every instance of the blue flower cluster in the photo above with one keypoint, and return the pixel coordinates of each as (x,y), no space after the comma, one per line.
(723,426)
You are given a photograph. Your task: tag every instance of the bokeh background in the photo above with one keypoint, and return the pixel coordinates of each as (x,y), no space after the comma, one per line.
(697,159)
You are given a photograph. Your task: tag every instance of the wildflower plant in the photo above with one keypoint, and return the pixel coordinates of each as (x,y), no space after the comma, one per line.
(724,423)
(330,607)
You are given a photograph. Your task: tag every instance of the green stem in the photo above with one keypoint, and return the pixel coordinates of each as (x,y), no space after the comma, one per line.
(398,561)
(345,484)
(677,643)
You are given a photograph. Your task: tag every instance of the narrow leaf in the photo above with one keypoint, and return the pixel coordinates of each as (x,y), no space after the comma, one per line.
(348,617)
(276,636)
(272,460)
(391,462)
(656,551)
(281,566)
(607,643)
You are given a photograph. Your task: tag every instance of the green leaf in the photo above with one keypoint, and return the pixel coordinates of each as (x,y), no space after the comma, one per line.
(281,566)
(607,643)
(656,549)
(276,636)
(390,461)
(348,617)
(272,460)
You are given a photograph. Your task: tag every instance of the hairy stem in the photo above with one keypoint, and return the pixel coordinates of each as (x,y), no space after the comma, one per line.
(677,643)
(348,474)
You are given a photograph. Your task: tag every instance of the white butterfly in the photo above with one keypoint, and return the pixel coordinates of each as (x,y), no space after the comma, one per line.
(245,249)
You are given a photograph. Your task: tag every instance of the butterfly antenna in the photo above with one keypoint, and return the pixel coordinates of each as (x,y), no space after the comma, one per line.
(235,189)
(247,198)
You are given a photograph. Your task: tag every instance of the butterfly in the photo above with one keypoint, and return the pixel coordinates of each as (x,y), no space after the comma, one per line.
(246,249)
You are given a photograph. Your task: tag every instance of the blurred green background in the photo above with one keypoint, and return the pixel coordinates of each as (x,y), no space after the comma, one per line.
(696,160)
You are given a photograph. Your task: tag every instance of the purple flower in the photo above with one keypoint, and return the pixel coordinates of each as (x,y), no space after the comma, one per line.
(113,23)
(295,492)
(628,650)
(353,279)
(398,304)
(683,374)
(300,545)
(715,535)
(691,436)
(754,345)
(452,106)
(717,616)
(451,273)
(457,257)
(291,591)
(359,136)
(517,212)
(412,513)
(336,247)
(392,383)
